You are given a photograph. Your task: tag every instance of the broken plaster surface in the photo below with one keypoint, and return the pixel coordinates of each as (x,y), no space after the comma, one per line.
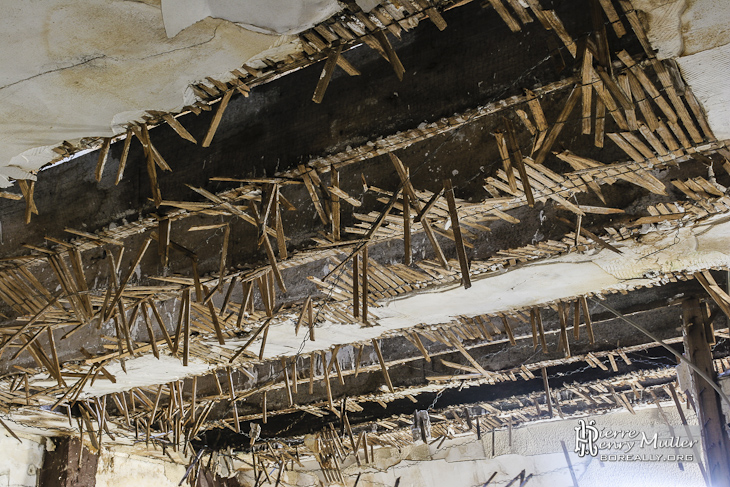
(545,449)
(641,262)
(696,34)
(73,69)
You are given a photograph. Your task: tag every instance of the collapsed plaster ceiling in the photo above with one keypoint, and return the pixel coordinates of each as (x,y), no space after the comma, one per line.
(87,70)
(695,33)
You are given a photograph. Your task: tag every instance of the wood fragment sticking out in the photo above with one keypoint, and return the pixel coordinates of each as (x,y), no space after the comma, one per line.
(177,127)
(383,366)
(326,76)
(460,250)
(407,250)
(365,284)
(217,118)
(27,187)
(103,154)
(390,52)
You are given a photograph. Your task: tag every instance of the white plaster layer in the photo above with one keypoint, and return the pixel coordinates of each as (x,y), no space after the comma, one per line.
(117,469)
(20,462)
(707,72)
(537,448)
(268,16)
(641,262)
(697,34)
(71,69)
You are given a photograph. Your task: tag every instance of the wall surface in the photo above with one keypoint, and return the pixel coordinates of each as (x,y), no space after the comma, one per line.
(544,450)
(20,462)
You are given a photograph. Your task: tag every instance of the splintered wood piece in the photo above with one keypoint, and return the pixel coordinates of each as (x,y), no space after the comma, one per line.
(587,317)
(508,330)
(327,384)
(263,343)
(587,90)
(27,187)
(407,250)
(681,109)
(557,25)
(326,76)
(287,383)
(390,52)
(647,85)
(186,330)
(506,164)
(558,125)
(427,207)
(564,344)
(177,127)
(216,321)
(217,118)
(150,333)
(163,240)
(408,188)
(125,281)
(548,397)
(460,250)
(516,156)
(499,7)
(103,154)
(312,356)
(158,319)
(365,284)
(600,129)
(306,177)
(123,158)
(251,339)
(416,340)
(310,320)
(334,190)
(436,18)
(274,265)
(613,17)
(456,343)
(224,253)
(383,366)
(533,324)
(151,167)
(304,312)
(576,319)
(294,378)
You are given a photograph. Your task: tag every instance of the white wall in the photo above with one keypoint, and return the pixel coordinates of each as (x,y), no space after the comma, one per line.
(19,462)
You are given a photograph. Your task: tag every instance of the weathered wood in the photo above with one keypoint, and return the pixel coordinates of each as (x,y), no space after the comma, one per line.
(714,441)
(69,464)
(460,250)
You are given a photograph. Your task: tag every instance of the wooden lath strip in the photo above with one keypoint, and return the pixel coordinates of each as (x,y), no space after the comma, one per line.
(217,117)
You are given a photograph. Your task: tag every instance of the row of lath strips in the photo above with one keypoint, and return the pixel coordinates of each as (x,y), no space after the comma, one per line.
(461,119)
(312,41)
(396,430)
(385,285)
(520,371)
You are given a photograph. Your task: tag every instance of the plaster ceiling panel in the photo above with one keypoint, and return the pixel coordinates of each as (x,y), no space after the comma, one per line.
(74,69)
(268,16)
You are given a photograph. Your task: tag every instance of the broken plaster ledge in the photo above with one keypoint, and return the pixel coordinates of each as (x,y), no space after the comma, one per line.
(642,262)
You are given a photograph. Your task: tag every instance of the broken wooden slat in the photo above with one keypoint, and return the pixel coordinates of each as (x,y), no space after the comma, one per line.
(326,76)
(177,127)
(103,154)
(408,188)
(390,52)
(217,118)
(460,250)
(558,125)
(383,366)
